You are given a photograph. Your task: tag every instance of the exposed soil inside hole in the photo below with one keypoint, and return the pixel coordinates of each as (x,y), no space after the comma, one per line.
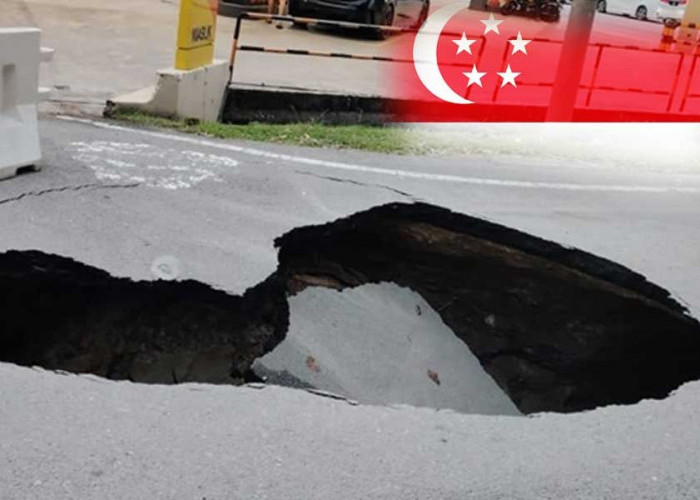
(557,329)
(60,314)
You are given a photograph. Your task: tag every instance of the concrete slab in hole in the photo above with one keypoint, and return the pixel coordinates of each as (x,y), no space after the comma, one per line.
(380,344)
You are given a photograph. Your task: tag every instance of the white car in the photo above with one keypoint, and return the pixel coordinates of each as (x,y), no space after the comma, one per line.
(639,9)
(671,11)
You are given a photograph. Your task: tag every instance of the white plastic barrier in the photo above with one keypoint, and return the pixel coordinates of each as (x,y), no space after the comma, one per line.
(20,55)
(46,55)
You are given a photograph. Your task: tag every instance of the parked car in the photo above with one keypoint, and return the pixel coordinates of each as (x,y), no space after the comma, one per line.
(639,9)
(671,11)
(546,10)
(233,8)
(404,13)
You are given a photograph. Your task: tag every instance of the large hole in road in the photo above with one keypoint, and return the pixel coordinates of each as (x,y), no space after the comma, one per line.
(400,299)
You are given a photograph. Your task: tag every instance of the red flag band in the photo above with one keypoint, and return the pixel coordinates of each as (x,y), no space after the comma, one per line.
(477,66)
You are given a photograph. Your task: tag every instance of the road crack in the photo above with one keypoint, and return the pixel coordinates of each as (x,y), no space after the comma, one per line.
(363,184)
(63,189)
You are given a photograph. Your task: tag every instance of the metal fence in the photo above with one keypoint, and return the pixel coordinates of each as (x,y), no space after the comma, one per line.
(677,92)
(597,51)
(323,23)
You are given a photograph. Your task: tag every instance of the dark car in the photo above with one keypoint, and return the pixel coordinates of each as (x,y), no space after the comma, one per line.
(233,8)
(403,13)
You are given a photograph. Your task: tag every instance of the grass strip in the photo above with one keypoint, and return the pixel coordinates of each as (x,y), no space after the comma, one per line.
(380,139)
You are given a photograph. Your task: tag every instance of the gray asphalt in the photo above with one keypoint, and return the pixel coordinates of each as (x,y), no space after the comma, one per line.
(68,436)
(103,198)
(125,199)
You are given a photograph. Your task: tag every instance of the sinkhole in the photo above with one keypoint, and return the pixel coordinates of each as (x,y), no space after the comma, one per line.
(402,303)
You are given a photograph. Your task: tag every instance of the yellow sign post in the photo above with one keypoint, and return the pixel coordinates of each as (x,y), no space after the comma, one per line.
(195,33)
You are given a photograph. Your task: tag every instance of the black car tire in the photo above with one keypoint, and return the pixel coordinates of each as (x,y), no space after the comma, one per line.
(510,7)
(387,14)
(550,12)
(422,16)
(602,6)
(532,10)
(385,17)
(641,13)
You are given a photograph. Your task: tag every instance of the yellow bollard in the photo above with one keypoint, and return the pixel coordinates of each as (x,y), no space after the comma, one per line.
(196,33)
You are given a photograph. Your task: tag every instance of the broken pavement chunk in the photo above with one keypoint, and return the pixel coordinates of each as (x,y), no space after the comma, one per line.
(559,329)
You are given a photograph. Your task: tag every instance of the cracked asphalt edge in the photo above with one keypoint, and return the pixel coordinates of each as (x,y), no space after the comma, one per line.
(363,184)
(79,187)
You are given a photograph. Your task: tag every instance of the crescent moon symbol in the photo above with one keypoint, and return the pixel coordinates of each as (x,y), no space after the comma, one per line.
(425,54)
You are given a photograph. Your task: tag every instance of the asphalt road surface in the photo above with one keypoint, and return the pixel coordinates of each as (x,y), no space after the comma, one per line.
(65,437)
(128,200)
(119,198)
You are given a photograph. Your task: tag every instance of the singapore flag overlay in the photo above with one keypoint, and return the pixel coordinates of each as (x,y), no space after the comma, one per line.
(479,66)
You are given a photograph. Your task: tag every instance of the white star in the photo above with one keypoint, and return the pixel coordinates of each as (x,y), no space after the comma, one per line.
(464,44)
(508,77)
(474,76)
(519,44)
(491,24)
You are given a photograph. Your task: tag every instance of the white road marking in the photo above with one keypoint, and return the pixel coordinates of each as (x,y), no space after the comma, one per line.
(168,168)
(388,171)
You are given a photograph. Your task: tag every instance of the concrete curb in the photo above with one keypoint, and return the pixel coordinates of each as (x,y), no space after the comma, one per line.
(195,94)
(260,103)
(246,104)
